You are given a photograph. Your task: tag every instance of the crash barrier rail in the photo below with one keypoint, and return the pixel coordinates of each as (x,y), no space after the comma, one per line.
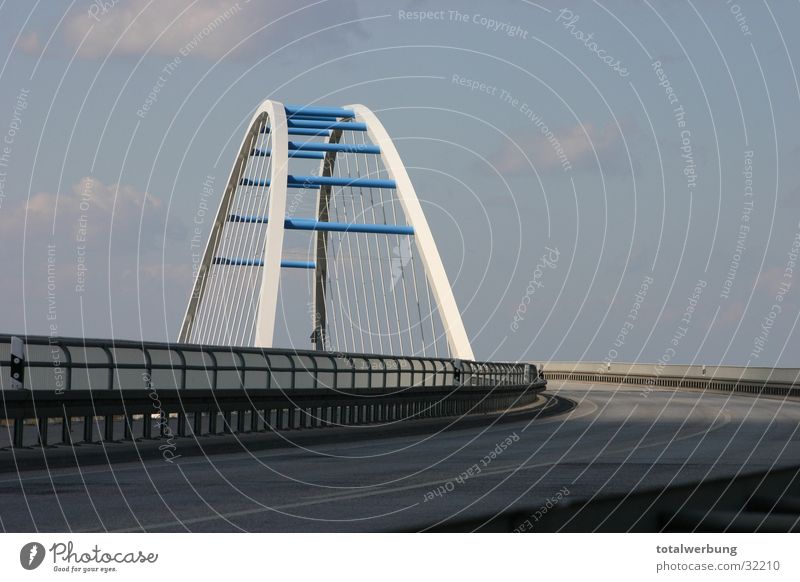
(748,380)
(106,390)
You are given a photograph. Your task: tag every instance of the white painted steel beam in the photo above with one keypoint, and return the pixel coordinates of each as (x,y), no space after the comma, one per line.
(434,269)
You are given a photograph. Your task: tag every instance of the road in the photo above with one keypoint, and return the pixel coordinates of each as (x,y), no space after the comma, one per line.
(616,439)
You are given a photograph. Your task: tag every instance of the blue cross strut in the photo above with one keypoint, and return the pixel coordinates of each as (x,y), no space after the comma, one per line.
(311,224)
(307,132)
(317,124)
(313,111)
(349,148)
(316,117)
(292,154)
(235,262)
(317,181)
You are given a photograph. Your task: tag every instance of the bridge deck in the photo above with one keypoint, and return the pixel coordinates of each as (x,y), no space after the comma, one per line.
(618,439)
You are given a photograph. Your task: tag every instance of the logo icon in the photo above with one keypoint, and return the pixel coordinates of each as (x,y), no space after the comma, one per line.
(31,555)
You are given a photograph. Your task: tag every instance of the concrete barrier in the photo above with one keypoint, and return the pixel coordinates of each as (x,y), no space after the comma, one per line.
(748,380)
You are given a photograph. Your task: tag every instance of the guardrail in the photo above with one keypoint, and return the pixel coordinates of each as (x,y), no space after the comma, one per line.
(747,380)
(108,390)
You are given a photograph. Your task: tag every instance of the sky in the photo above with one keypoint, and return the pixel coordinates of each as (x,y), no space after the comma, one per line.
(605,181)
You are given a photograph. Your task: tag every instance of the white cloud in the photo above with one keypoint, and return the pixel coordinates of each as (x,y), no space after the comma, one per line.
(101,206)
(96,243)
(29,43)
(566,146)
(206,28)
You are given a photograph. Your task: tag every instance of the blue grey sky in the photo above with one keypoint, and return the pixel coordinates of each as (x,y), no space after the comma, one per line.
(605,180)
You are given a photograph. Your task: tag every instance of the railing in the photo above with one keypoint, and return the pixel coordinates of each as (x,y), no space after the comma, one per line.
(746,380)
(64,364)
(105,389)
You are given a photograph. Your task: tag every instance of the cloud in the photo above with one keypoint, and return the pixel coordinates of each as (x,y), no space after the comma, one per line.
(770,280)
(44,204)
(560,148)
(202,28)
(99,212)
(29,43)
(92,247)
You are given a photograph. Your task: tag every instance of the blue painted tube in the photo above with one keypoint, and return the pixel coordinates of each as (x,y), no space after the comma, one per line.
(312,146)
(292,154)
(299,264)
(318,111)
(309,181)
(316,124)
(317,181)
(311,224)
(260,263)
(317,118)
(307,155)
(308,132)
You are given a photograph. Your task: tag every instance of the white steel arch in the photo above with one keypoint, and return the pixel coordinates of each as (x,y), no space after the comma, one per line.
(272,112)
(434,269)
(332,122)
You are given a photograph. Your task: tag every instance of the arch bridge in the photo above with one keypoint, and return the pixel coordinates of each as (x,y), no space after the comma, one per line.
(375,281)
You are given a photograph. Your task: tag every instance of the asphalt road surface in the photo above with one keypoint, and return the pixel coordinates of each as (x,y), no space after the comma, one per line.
(617,439)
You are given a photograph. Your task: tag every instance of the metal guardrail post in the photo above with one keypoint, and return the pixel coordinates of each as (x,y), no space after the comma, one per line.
(457,365)
(17,373)
(17,363)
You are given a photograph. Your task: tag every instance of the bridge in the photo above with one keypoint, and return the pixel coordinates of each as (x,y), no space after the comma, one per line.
(376,284)
(409,430)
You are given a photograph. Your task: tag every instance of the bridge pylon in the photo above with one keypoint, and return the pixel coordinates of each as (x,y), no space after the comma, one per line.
(375,279)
